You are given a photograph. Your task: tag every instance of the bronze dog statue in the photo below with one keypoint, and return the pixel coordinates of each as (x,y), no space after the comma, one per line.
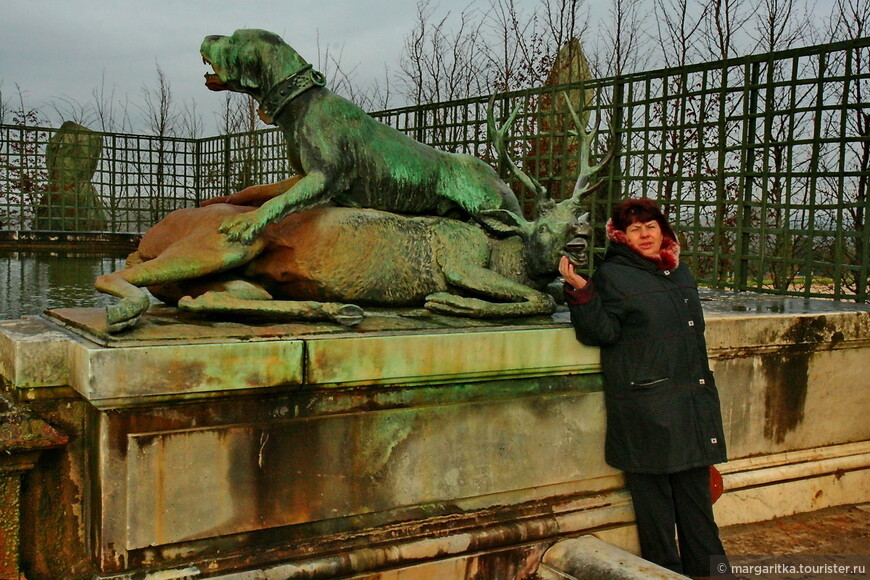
(312,265)
(341,155)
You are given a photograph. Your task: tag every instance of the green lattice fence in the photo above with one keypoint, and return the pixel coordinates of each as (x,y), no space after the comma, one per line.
(761,162)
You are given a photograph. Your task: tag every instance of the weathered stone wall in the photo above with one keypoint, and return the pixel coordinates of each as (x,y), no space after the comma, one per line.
(463,453)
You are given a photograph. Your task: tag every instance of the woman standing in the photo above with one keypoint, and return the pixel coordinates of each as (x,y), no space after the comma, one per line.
(664,426)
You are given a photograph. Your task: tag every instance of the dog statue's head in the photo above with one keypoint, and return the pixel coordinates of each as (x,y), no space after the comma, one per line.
(250,61)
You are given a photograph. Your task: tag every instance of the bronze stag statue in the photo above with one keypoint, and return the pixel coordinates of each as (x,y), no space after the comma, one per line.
(325,262)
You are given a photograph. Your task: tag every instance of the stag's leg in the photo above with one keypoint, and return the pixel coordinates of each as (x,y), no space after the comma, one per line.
(255,195)
(199,254)
(463,252)
(231,301)
(514,299)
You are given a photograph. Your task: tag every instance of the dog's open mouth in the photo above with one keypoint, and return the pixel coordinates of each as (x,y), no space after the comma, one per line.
(213,80)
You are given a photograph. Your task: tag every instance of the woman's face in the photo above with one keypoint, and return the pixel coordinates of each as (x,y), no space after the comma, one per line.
(645,238)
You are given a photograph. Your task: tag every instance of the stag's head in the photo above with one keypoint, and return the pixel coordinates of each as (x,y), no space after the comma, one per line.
(546,237)
(550,237)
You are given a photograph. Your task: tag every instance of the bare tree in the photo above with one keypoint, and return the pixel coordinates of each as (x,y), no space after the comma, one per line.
(344,80)
(725,23)
(380,96)
(160,118)
(234,114)
(781,24)
(190,121)
(678,26)
(519,48)
(158,107)
(849,167)
(621,40)
(22,167)
(108,116)
(440,63)
(69,109)
(21,113)
(511,53)
(240,123)
(849,20)
(565,20)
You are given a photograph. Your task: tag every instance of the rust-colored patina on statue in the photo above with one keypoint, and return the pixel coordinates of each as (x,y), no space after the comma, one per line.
(338,234)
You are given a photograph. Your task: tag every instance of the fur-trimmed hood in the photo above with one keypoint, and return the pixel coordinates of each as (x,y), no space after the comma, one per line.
(669,256)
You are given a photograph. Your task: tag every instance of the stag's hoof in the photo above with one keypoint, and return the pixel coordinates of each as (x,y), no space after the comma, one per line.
(126,313)
(349,315)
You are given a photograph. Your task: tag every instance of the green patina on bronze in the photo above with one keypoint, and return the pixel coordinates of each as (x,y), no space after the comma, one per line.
(343,155)
(339,234)
(71,202)
(316,265)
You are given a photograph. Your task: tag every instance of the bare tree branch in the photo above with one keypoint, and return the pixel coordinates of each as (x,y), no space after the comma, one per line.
(678,23)
(158,107)
(724,21)
(781,24)
(621,40)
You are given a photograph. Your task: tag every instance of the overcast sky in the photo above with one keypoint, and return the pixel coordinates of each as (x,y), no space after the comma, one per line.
(56,49)
(65,48)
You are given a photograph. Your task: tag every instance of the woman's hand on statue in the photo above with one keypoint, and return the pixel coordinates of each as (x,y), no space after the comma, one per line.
(566,268)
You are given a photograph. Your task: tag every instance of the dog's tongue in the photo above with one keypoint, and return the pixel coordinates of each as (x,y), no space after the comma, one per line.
(213,82)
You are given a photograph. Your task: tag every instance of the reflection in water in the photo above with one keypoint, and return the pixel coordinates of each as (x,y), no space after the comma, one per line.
(33,282)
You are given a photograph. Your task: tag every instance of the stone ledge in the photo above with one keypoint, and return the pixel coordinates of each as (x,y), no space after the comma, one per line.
(397,350)
(33,353)
(588,558)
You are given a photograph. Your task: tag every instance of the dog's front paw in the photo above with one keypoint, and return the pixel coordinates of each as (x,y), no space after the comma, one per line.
(243,228)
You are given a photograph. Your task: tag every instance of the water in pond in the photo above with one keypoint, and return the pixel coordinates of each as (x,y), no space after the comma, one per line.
(31,282)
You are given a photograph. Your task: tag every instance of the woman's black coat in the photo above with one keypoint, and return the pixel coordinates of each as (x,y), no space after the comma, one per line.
(662,405)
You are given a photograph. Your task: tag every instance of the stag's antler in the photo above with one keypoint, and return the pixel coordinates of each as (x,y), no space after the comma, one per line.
(497,137)
(582,189)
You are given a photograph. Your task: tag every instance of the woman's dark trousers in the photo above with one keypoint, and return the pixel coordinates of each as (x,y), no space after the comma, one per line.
(679,501)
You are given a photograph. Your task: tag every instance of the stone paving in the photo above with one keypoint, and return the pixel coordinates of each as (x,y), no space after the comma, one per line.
(831,531)
(836,531)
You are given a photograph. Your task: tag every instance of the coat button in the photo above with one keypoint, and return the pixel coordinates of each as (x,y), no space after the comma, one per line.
(702,382)
(667,272)
(691,323)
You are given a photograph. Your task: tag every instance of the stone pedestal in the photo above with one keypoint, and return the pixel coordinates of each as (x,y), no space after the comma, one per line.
(23,438)
(414,443)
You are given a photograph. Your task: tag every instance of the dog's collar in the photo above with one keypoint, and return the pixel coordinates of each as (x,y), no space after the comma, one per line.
(289,89)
